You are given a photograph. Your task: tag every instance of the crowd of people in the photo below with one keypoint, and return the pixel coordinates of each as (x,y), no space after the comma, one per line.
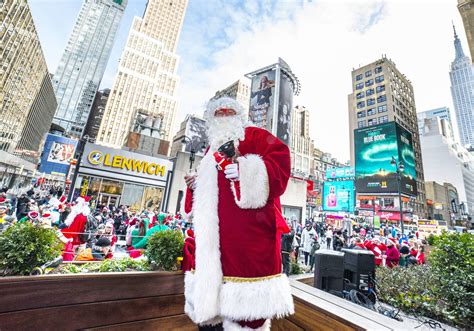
(87,234)
(388,245)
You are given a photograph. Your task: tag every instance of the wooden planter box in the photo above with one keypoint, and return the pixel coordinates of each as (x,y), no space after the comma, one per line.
(118,301)
(153,301)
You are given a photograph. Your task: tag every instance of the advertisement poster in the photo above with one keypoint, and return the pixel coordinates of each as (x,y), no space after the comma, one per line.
(285,106)
(338,196)
(262,98)
(58,152)
(374,148)
(337,173)
(196,131)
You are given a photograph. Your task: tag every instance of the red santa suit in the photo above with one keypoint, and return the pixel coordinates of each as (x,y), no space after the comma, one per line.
(238,262)
(76,220)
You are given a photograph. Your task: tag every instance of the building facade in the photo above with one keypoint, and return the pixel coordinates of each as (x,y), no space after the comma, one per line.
(147,74)
(38,121)
(442,113)
(462,91)
(381,93)
(443,202)
(22,72)
(238,91)
(301,145)
(96,114)
(83,62)
(446,161)
(466,9)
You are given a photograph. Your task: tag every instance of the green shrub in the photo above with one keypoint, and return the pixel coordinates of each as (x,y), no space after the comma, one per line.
(443,290)
(117,265)
(452,262)
(295,268)
(431,239)
(164,248)
(26,246)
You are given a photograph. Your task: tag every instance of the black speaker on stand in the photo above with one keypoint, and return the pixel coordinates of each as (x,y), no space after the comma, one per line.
(329,271)
(359,270)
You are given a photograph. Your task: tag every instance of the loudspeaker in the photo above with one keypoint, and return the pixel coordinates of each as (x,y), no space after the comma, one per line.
(359,270)
(329,271)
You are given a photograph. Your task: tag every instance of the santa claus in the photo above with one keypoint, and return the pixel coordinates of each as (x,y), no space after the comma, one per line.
(76,220)
(236,215)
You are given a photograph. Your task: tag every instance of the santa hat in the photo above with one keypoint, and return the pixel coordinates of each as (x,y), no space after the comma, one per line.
(224,103)
(33,215)
(62,199)
(2,200)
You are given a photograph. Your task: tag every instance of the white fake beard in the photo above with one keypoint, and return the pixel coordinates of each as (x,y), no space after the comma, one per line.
(223,129)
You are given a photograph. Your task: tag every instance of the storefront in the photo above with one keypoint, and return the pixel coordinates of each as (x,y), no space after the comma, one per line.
(114,177)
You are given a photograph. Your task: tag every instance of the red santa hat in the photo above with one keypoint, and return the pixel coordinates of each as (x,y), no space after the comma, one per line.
(46,216)
(224,103)
(62,199)
(2,200)
(33,215)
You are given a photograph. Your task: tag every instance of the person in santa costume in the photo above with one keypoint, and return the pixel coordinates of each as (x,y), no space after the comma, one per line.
(237,219)
(76,220)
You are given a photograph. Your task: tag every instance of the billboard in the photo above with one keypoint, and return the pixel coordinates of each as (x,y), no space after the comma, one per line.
(342,172)
(262,99)
(58,152)
(374,148)
(285,107)
(196,132)
(338,196)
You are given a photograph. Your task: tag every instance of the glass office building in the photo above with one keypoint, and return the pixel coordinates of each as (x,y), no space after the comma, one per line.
(462,90)
(83,62)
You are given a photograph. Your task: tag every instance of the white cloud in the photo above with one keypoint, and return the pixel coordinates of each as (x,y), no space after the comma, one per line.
(322,42)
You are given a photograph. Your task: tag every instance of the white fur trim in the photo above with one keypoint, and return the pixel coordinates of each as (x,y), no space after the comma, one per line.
(254,187)
(270,298)
(232,326)
(224,102)
(204,286)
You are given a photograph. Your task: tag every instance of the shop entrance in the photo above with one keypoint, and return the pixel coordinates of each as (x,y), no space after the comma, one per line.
(109,200)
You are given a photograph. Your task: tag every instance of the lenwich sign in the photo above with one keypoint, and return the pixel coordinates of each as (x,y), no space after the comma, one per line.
(118,161)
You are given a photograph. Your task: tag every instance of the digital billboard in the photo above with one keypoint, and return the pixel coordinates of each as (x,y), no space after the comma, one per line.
(342,172)
(374,148)
(285,107)
(58,152)
(262,99)
(338,196)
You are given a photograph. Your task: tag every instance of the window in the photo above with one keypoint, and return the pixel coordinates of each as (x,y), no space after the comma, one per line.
(372,121)
(380,88)
(382,109)
(360,104)
(370,91)
(368,73)
(371,111)
(359,77)
(378,69)
(361,114)
(382,98)
(359,86)
(360,95)
(379,79)
(361,124)
(371,102)
(369,82)
(383,119)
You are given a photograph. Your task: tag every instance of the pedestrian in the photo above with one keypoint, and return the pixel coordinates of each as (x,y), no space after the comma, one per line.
(393,256)
(307,237)
(286,248)
(329,235)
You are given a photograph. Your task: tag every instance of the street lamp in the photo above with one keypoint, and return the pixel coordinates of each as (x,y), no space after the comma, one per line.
(194,149)
(400,167)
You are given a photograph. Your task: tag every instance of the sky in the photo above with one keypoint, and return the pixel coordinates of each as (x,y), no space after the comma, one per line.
(322,41)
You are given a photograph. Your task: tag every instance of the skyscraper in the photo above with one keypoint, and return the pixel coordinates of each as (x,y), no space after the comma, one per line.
(442,113)
(83,62)
(147,75)
(301,146)
(381,93)
(22,73)
(238,91)
(462,91)
(466,9)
